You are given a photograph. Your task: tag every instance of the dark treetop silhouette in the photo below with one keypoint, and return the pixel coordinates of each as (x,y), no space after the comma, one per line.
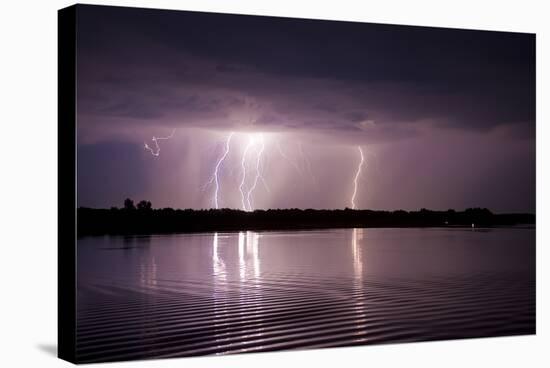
(143,219)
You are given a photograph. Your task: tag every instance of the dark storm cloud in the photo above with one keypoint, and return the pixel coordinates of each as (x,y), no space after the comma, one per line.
(199,69)
(355,116)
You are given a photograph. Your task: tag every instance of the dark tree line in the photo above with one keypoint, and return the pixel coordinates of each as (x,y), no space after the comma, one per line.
(141,206)
(143,219)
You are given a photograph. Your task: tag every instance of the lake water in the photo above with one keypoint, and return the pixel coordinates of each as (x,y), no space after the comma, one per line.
(221,293)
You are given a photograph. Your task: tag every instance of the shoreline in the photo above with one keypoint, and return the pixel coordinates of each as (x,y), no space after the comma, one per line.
(99,222)
(275,230)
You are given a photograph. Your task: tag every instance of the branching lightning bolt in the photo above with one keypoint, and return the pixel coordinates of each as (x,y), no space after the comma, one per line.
(257,143)
(357,177)
(156,151)
(217,169)
(259,168)
(258,173)
(243,165)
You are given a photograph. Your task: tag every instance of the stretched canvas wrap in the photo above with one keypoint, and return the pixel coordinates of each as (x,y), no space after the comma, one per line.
(235,183)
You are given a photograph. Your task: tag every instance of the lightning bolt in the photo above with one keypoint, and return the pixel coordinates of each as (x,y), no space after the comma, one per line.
(217,169)
(307,162)
(258,172)
(243,166)
(156,151)
(357,177)
(259,168)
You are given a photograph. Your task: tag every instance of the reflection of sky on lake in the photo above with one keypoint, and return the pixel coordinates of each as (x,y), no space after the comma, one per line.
(216,293)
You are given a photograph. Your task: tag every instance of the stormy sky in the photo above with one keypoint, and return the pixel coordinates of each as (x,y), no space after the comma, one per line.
(445,117)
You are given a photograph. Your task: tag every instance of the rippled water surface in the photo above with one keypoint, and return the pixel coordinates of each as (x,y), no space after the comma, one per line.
(222,293)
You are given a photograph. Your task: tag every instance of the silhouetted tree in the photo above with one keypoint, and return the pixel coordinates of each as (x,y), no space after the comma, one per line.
(129,204)
(144,206)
